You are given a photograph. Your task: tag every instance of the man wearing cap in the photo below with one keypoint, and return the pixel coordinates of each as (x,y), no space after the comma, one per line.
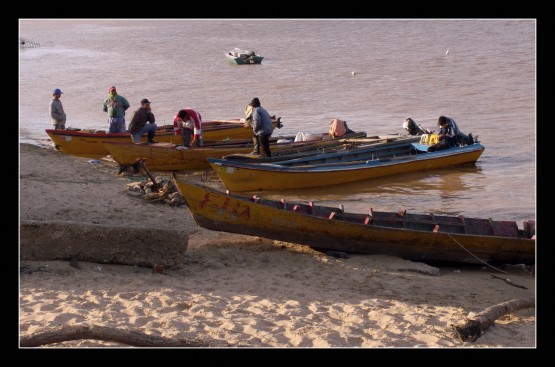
(262,126)
(116,106)
(138,125)
(57,111)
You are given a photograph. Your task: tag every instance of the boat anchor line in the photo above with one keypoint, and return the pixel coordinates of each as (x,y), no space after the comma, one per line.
(435,230)
(402,213)
(287,220)
(476,257)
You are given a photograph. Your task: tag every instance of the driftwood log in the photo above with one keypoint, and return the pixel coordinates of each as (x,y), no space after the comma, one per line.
(508,281)
(127,337)
(473,329)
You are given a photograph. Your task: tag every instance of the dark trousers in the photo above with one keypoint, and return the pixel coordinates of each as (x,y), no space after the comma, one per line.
(265,142)
(186,136)
(256,143)
(439,146)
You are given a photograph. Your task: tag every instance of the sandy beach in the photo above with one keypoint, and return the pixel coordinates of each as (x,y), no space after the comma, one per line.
(241,291)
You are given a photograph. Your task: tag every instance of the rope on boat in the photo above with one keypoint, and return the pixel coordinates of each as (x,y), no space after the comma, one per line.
(477,258)
(485,263)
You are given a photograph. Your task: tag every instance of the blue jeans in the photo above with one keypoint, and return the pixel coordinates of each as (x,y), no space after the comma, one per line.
(148,128)
(117,124)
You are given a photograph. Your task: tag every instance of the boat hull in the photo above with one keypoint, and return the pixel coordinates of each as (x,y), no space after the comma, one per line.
(165,157)
(230,213)
(89,144)
(252,177)
(170,157)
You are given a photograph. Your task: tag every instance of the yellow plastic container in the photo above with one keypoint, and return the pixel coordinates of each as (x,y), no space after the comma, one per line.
(429,139)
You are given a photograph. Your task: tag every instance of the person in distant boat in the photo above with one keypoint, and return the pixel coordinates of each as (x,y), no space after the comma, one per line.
(338,128)
(115,105)
(449,135)
(188,122)
(138,125)
(261,126)
(57,111)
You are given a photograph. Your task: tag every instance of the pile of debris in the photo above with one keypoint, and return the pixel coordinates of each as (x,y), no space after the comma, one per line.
(162,190)
(153,189)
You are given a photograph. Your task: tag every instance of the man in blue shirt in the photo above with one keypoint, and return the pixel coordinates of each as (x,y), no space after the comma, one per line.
(449,135)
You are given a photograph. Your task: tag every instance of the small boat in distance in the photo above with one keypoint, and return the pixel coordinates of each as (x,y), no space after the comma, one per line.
(240,56)
(417,237)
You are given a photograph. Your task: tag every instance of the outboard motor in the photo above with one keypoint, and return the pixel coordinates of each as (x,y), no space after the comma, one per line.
(413,128)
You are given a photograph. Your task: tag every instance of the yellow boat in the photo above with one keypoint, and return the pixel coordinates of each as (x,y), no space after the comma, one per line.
(88,143)
(356,164)
(418,237)
(172,157)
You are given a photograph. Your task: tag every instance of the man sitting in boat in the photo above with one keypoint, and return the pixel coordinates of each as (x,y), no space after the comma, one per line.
(449,135)
(339,128)
(138,125)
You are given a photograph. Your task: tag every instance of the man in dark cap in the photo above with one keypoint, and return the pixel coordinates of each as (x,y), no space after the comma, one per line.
(262,127)
(449,135)
(138,125)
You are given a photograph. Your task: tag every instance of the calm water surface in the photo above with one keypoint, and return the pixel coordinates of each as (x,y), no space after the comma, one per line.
(486,82)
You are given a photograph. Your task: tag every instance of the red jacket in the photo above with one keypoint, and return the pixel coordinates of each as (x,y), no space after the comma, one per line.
(196,119)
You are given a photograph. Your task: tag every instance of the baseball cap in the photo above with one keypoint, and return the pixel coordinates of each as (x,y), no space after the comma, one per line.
(144,100)
(57,91)
(110,88)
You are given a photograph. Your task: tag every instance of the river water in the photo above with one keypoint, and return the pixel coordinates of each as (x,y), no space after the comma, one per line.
(480,72)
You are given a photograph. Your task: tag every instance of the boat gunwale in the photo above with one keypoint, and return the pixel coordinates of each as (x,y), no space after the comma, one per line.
(288,207)
(345,166)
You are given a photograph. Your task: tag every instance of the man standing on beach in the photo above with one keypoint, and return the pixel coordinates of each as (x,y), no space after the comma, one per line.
(57,111)
(115,105)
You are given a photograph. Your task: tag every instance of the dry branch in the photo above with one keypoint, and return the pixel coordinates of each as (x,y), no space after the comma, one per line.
(473,329)
(147,173)
(132,338)
(508,281)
